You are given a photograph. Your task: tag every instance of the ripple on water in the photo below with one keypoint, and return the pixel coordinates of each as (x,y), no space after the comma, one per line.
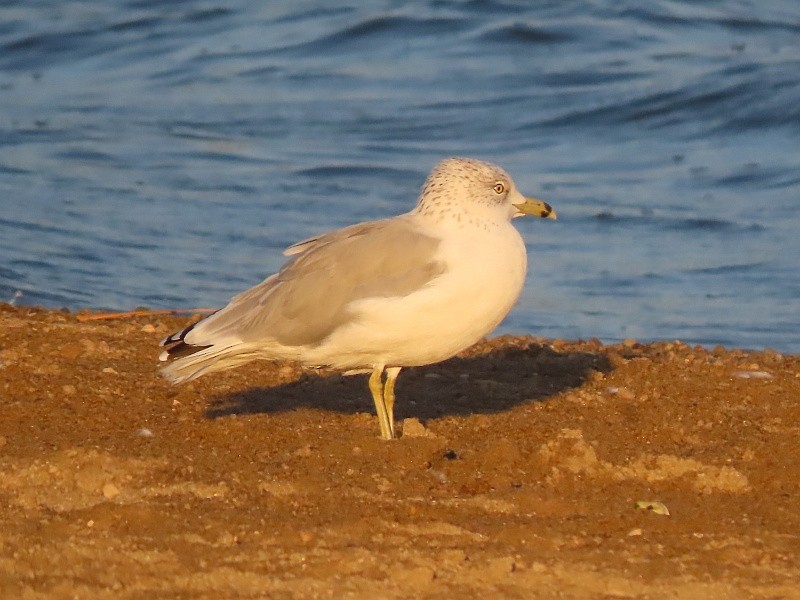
(164,154)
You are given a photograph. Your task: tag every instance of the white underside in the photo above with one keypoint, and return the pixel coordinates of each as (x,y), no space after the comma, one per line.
(484,275)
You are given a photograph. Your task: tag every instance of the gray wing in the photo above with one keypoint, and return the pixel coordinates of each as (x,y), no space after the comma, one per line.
(309,297)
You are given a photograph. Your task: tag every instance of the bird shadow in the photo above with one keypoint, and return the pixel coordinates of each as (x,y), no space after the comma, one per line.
(480,384)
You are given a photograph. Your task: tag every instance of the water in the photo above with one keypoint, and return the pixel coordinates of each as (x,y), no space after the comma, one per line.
(163,154)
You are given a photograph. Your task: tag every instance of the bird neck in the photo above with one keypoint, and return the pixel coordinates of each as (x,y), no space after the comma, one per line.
(443,213)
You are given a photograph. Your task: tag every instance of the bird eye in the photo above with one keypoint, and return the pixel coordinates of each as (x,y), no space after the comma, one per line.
(499,188)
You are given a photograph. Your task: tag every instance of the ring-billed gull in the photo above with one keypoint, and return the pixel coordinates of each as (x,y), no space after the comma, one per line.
(407,291)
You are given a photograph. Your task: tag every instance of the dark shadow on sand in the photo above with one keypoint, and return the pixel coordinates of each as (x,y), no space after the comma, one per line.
(487,383)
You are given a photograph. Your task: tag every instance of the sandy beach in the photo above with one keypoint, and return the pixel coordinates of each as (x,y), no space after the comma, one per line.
(528,468)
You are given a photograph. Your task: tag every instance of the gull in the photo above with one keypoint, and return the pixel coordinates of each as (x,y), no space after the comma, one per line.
(375,297)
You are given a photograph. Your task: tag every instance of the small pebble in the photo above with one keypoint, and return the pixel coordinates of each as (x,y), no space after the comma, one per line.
(110,491)
(148,329)
(634,532)
(110,370)
(144,432)
(303,452)
(654,506)
(414,428)
(753,375)
(306,536)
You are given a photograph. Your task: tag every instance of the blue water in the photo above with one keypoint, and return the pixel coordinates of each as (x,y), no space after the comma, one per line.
(163,154)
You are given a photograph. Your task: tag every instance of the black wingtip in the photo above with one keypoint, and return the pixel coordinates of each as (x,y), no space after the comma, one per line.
(180,350)
(178,336)
(178,347)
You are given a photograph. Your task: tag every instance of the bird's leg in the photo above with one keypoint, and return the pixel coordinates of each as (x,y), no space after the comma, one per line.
(376,387)
(388,393)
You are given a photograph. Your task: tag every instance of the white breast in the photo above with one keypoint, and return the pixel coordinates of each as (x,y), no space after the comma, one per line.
(484,275)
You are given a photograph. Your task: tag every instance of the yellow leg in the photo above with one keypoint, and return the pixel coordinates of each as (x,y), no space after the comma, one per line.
(376,387)
(388,393)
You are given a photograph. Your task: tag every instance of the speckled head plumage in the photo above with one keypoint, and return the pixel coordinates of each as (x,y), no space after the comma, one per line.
(466,186)
(464,179)
(468,171)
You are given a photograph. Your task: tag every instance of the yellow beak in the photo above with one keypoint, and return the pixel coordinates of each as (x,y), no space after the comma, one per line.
(536,207)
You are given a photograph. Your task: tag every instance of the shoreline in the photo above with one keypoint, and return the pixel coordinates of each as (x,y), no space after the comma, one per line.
(101,314)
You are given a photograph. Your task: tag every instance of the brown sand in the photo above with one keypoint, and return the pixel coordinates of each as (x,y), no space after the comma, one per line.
(518,475)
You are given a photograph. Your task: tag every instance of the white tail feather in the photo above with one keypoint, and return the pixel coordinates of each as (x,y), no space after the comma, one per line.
(207,360)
